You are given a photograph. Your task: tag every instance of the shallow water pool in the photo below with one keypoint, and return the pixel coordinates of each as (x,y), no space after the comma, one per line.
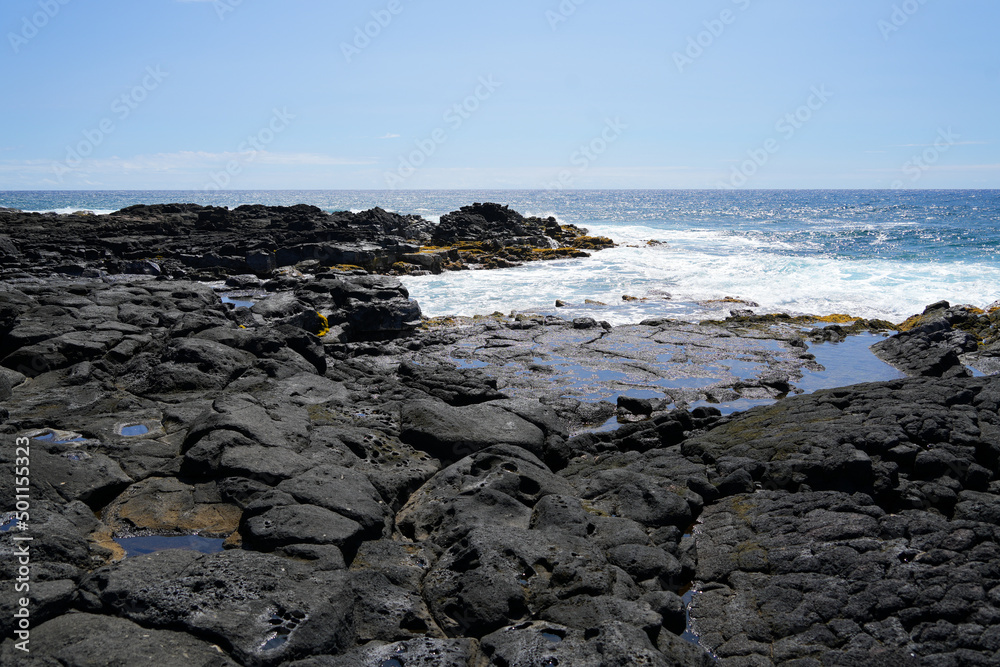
(847,362)
(147,544)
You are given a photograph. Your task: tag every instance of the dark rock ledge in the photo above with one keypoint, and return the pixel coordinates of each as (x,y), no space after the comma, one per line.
(381,509)
(187,241)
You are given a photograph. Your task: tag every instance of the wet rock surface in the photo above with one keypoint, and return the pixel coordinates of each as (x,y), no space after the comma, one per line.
(394,491)
(943,340)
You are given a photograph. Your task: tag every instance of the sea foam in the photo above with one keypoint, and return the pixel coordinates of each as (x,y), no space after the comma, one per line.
(692,267)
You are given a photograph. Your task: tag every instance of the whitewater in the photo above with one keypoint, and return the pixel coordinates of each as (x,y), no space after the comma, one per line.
(875,254)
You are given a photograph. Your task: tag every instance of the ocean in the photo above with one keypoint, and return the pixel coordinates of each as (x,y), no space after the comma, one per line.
(875,254)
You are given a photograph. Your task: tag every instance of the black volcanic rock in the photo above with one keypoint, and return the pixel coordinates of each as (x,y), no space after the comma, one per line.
(931,350)
(208,242)
(76,640)
(379,505)
(498,225)
(449,433)
(479,222)
(939,341)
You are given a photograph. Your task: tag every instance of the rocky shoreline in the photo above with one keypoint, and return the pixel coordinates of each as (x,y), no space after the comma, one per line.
(187,241)
(355,485)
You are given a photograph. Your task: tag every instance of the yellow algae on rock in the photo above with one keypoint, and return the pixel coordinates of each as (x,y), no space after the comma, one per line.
(103,545)
(593,242)
(167,505)
(837,318)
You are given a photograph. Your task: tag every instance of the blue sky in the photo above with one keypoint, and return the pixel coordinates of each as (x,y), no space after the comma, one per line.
(262,94)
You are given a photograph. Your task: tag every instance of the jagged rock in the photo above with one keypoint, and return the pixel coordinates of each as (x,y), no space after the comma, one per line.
(264,609)
(498,485)
(495,576)
(423,652)
(931,350)
(897,441)
(829,577)
(613,644)
(851,526)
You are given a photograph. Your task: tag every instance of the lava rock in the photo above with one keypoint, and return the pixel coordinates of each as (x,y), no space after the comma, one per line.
(450,433)
(76,640)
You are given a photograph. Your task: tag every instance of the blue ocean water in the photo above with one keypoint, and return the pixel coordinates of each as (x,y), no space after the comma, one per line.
(878,253)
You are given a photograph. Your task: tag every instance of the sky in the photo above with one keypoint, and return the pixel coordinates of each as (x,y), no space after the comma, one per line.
(543,94)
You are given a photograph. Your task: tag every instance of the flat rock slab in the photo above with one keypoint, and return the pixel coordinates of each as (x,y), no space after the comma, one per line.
(675,363)
(299,524)
(81,640)
(344,491)
(450,433)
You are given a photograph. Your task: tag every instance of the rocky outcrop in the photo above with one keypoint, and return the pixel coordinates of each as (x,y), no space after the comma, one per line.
(869,538)
(206,242)
(480,222)
(933,343)
(377,505)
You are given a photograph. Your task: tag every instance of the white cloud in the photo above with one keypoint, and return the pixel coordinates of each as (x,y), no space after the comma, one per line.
(187,160)
(389,135)
(953,143)
(181,170)
(968,167)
